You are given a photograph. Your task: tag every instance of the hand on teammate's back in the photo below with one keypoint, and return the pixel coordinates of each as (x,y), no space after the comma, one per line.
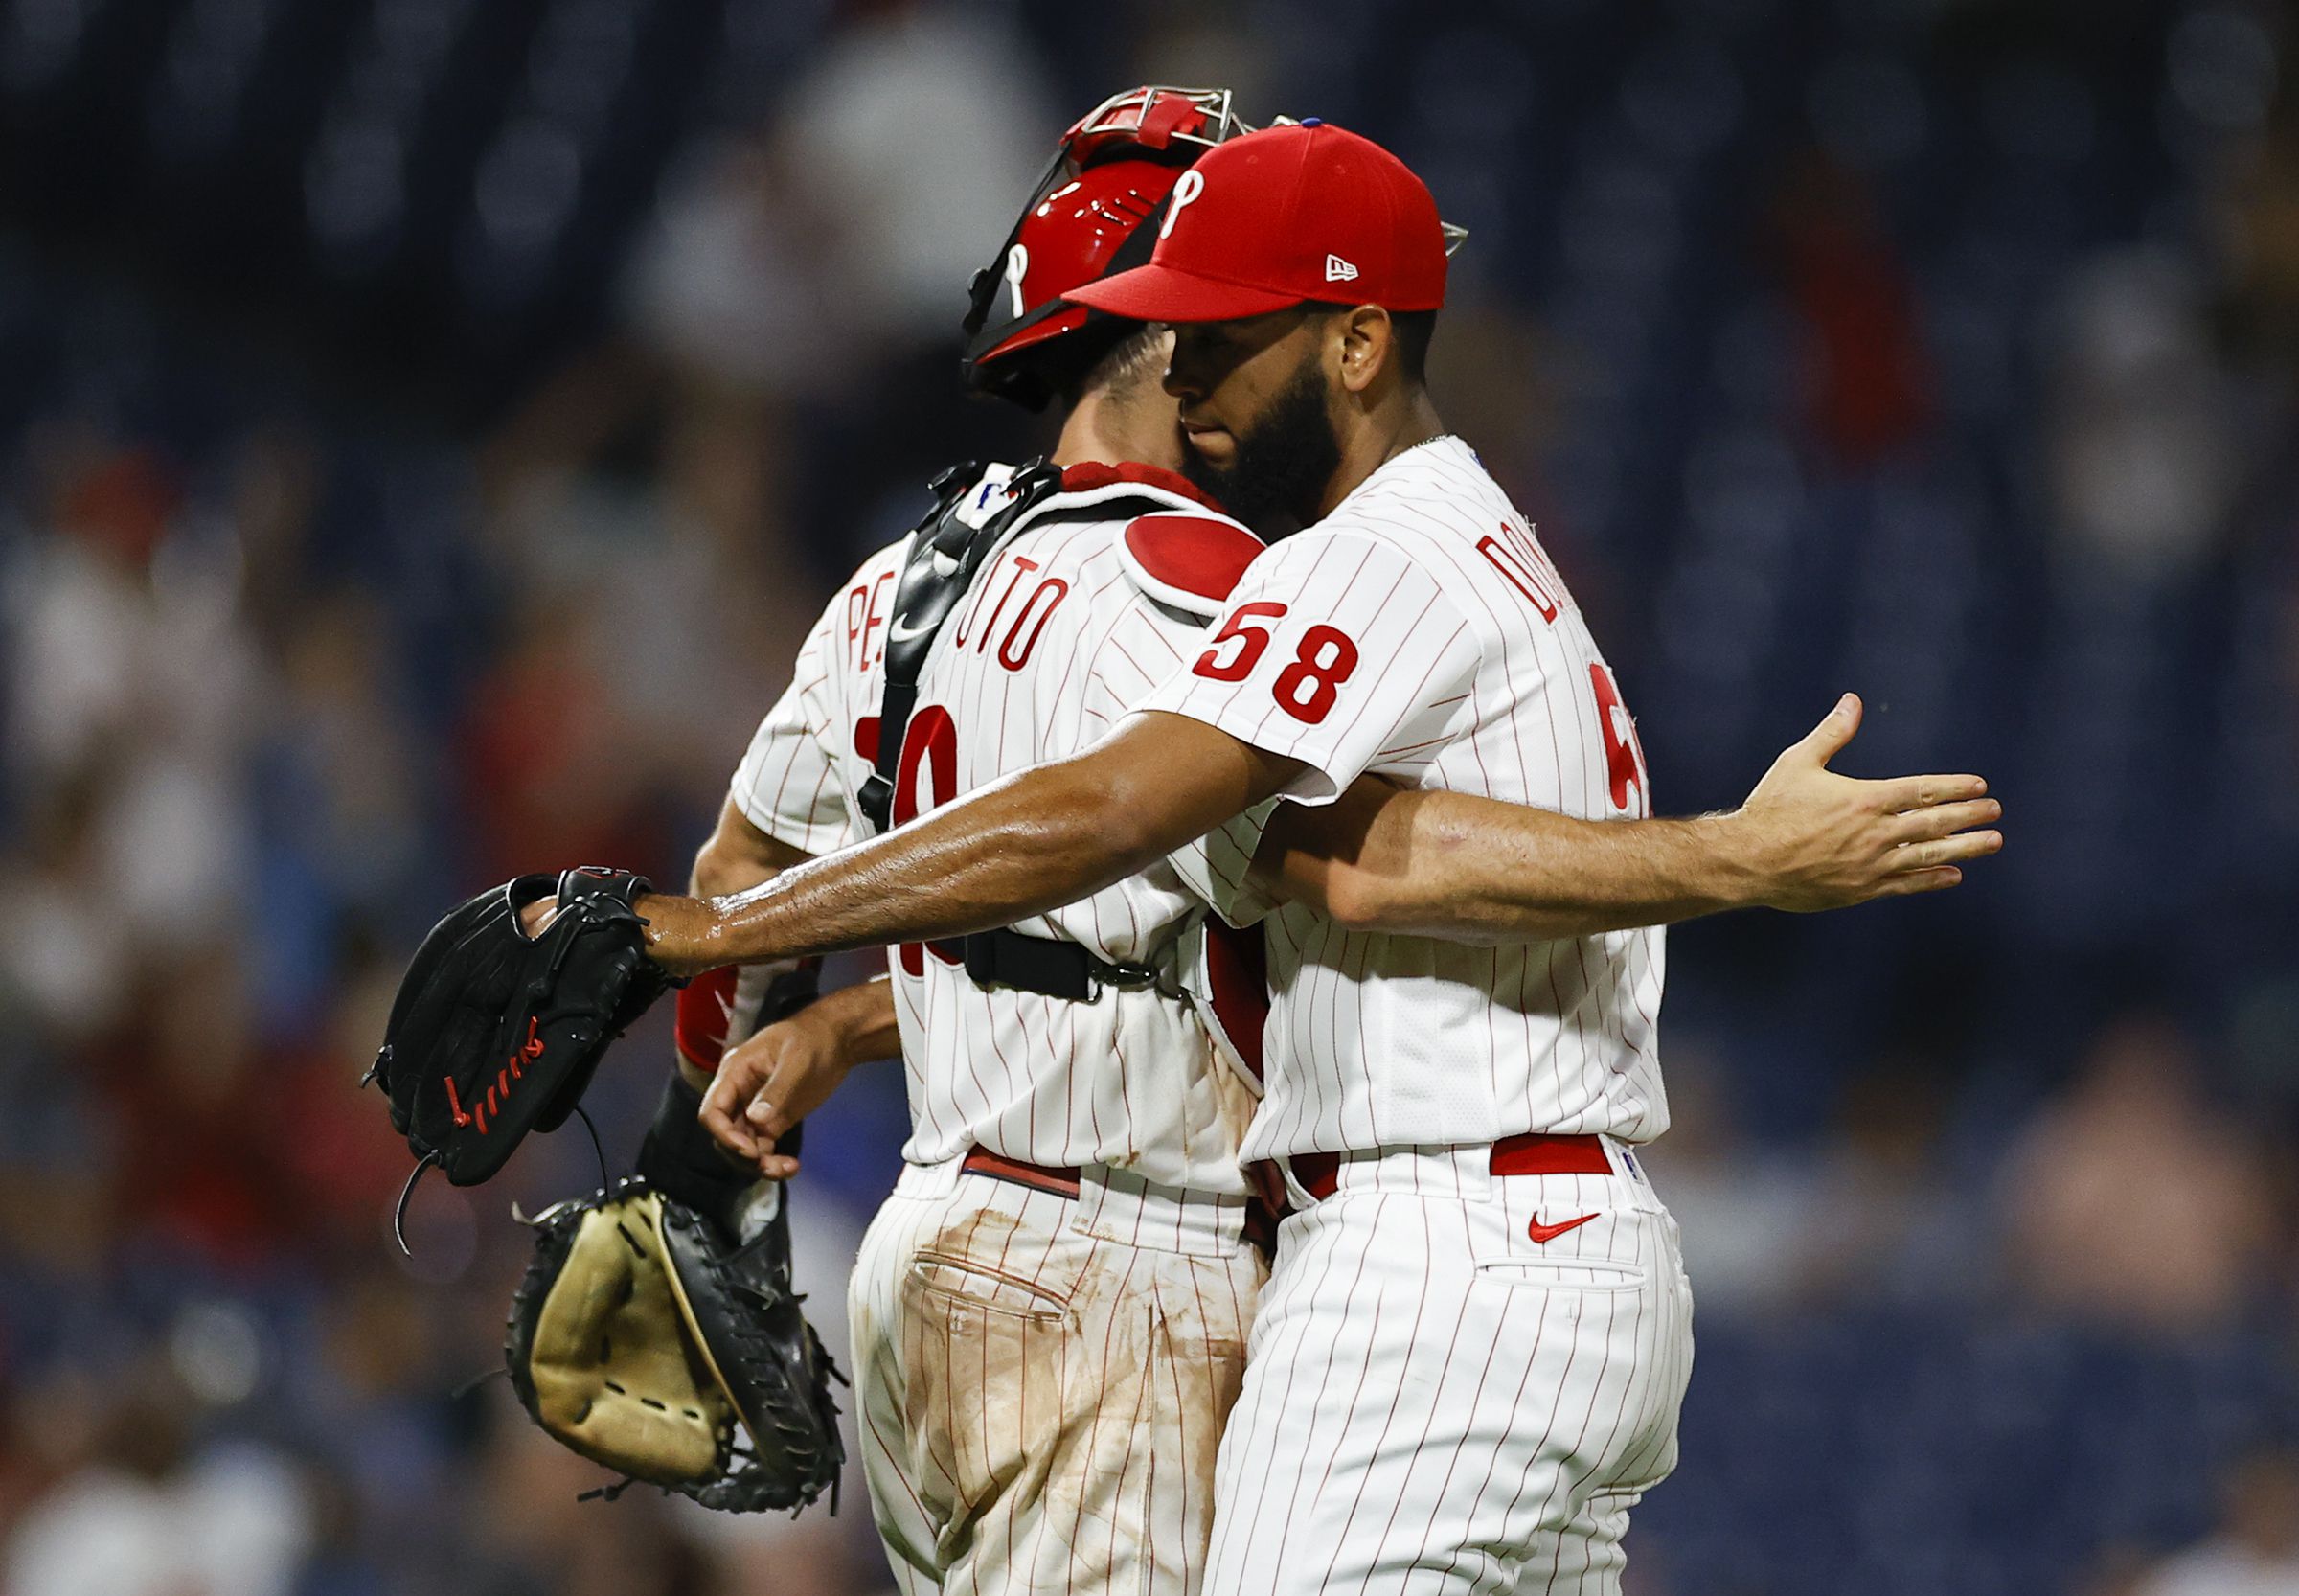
(1825,841)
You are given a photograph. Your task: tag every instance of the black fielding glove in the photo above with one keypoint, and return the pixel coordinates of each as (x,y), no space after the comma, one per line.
(493,1034)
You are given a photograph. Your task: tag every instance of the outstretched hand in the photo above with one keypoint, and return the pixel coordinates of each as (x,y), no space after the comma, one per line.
(1823,841)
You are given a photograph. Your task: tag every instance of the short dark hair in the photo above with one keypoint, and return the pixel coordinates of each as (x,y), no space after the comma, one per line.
(1063,369)
(1135,355)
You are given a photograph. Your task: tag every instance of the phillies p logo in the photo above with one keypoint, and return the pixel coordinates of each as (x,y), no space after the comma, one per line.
(1191,186)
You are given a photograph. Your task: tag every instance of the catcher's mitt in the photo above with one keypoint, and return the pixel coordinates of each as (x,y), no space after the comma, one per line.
(641,1335)
(495,1033)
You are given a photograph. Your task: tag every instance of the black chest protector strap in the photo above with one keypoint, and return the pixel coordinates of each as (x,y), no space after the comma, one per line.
(947,554)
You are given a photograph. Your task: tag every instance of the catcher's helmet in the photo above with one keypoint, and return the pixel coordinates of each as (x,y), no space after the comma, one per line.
(1085,219)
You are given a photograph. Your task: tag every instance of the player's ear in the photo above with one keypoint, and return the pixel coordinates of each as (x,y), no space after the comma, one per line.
(1367,346)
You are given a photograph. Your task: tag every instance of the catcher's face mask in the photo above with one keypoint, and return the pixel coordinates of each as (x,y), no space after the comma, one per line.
(1086,218)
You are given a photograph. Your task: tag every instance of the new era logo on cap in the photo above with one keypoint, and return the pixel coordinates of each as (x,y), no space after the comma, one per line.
(1338,270)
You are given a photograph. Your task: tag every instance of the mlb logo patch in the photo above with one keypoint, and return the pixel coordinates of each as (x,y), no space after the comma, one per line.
(1338,270)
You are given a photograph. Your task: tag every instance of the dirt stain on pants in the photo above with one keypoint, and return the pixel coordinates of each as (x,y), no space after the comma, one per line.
(1041,1408)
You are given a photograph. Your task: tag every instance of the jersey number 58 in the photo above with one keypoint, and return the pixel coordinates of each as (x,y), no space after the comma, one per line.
(1306,689)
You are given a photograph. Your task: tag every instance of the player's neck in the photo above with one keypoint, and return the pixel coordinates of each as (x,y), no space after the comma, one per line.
(1108,427)
(1405,420)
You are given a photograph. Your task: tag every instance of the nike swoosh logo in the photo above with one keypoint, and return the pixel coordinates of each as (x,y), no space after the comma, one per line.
(1550,1232)
(897,632)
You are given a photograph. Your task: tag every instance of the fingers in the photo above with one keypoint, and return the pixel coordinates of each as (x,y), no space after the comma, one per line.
(768,1119)
(767,1126)
(1920,793)
(1919,881)
(769,1082)
(1944,819)
(1916,856)
(1826,740)
(718,1116)
(745,1134)
(769,1122)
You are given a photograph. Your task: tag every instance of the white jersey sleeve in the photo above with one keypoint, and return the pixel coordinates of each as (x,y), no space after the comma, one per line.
(1145,644)
(788,783)
(793,782)
(1422,632)
(1336,649)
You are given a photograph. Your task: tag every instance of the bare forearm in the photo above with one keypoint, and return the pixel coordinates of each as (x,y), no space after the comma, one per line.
(1570,878)
(1464,869)
(1021,846)
(1027,844)
(864,1020)
(717,1011)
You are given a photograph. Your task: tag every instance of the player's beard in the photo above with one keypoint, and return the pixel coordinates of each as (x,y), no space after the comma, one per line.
(1278,476)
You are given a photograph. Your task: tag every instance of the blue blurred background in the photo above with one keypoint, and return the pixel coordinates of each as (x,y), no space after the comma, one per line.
(372,372)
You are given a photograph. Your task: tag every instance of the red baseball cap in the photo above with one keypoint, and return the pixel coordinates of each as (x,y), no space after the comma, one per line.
(1302,210)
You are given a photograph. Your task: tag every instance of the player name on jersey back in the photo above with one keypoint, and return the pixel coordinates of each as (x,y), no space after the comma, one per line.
(1420,631)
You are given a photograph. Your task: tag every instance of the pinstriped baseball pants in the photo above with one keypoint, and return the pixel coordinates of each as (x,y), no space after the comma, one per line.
(1435,1403)
(1042,1382)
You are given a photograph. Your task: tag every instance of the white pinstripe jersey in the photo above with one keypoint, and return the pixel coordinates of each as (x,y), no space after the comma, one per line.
(1067,625)
(1421,632)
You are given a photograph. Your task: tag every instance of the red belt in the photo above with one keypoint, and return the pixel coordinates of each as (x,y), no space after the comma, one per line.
(1260,1222)
(1319,1174)
(1039,1177)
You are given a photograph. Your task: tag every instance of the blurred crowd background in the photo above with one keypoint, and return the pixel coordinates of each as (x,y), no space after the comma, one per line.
(426,427)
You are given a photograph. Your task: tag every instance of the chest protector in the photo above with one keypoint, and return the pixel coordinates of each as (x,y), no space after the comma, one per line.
(948,551)
(972,516)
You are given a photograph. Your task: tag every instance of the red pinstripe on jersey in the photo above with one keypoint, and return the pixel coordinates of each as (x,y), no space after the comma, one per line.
(1059,638)
(1437,1401)
(1468,667)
